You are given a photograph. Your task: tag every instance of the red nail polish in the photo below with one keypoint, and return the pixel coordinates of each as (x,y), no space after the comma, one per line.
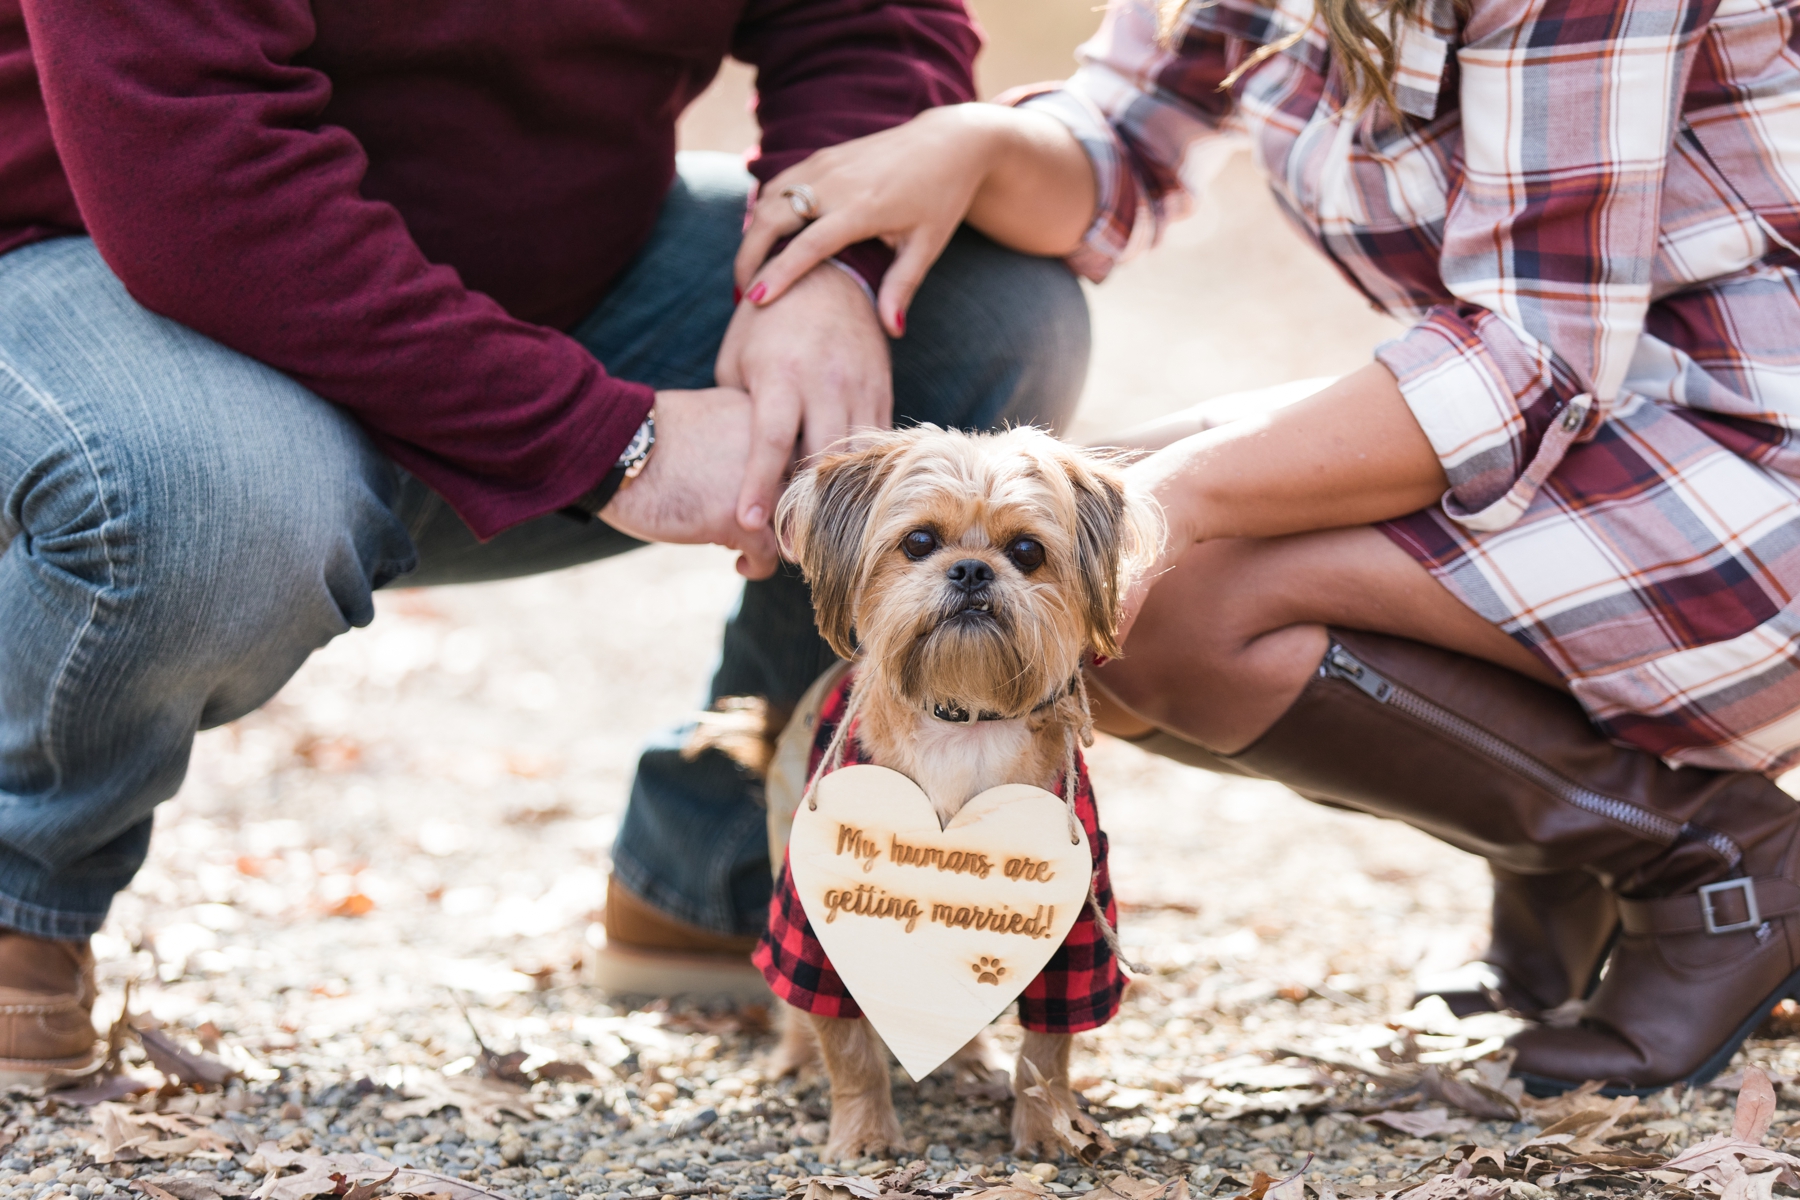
(1100,660)
(758,292)
(737,294)
(900,322)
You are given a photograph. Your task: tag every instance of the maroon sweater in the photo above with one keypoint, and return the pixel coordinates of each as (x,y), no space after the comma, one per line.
(399,204)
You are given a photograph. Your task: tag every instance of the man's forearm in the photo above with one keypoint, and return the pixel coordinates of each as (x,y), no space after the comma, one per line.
(1352,454)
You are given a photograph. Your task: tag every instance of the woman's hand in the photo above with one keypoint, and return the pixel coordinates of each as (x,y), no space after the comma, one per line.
(1018,176)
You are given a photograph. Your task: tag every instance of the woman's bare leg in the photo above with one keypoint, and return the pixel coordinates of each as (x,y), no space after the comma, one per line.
(1229,638)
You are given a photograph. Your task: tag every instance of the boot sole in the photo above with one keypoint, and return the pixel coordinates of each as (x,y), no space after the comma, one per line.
(43,1072)
(623,970)
(1543,1087)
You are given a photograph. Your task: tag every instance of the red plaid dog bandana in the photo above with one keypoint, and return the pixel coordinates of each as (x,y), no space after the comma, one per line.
(1079,988)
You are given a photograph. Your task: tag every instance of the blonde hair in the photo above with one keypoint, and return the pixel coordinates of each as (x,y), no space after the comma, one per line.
(1359,43)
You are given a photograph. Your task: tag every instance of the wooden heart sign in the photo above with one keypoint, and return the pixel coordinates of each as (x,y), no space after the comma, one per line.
(935,930)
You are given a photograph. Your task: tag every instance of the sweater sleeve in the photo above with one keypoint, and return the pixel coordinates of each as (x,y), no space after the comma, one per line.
(197,154)
(828,71)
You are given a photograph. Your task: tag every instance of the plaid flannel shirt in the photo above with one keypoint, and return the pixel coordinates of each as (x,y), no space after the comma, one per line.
(1587,211)
(1558,164)
(1079,988)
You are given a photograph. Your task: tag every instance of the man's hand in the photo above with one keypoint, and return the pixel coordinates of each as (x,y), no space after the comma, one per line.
(816,366)
(688,490)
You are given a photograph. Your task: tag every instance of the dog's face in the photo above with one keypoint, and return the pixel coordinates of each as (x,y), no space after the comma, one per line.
(970,570)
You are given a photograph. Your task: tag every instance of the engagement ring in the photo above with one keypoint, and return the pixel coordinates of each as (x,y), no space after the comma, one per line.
(802,200)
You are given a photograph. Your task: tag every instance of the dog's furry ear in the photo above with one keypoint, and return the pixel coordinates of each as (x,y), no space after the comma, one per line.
(822,522)
(1117,535)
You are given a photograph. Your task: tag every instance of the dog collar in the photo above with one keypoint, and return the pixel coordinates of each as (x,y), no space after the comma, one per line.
(956,714)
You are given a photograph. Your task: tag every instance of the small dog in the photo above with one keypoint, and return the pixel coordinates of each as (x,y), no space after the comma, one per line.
(965,576)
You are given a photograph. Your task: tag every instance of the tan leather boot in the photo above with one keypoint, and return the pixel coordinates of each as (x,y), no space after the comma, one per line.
(46,1009)
(646,952)
(1702,864)
(1549,933)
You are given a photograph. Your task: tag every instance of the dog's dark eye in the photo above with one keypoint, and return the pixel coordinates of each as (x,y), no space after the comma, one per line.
(919,543)
(1027,553)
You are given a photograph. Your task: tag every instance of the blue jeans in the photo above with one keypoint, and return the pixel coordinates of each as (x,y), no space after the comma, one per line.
(182,526)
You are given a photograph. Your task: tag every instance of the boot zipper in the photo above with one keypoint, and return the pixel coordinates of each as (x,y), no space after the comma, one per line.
(1341,664)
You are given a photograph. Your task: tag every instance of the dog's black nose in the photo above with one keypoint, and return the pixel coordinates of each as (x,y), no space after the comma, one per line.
(970,574)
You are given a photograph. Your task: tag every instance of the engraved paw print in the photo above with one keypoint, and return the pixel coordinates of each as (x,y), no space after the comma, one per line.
(987,970)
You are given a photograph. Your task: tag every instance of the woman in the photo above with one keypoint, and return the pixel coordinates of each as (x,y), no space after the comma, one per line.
(1527,579)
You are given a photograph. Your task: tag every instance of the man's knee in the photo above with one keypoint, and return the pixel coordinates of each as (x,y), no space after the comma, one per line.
(993,337)
(215,551)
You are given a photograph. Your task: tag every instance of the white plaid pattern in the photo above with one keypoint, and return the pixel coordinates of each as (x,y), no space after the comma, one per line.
(1589,210)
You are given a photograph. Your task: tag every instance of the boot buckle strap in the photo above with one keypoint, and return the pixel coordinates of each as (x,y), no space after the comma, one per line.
(1743,884)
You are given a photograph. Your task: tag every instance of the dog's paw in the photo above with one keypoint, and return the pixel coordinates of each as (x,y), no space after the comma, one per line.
(862,1129)
(978,1073)
(1034,1131)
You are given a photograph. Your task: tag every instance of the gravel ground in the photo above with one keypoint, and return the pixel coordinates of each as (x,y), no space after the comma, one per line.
(372,899)
(403,853)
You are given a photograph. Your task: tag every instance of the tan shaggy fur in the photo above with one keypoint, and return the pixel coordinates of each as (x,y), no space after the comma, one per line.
(1008,649)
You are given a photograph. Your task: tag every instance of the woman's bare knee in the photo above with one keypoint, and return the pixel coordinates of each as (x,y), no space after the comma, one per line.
(1229,638)
(1202,661)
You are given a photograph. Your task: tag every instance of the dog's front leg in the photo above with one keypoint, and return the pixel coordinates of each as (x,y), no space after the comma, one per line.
(798,1048)
(862,1096)
(1035,1103)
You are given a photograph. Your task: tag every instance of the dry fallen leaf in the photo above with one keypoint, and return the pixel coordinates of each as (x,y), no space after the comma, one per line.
(102,1088)
(561,1071)
(1477,1099)
(354,905)
(1130,1187)
(1458,1184)
(1741,1167)
(123,1134)
(1548,1112)
(1585,1135)
(414,1184)
(116,1133)
(1034,1190)
(189,1187)
(484,1100)
(1084,1136)
(841,1187)
(1426,1123)
(1755,1107)
(319,1174)
(194,1069)
(1291,1188)
(1259,1187)
(369,1190)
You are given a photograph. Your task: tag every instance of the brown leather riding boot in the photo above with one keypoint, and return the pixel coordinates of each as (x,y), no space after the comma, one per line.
(1549,934)
(1702,863)
(46,1009)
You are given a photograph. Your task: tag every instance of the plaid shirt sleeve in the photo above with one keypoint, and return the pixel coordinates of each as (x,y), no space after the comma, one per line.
(1137,107)
(1569,109)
